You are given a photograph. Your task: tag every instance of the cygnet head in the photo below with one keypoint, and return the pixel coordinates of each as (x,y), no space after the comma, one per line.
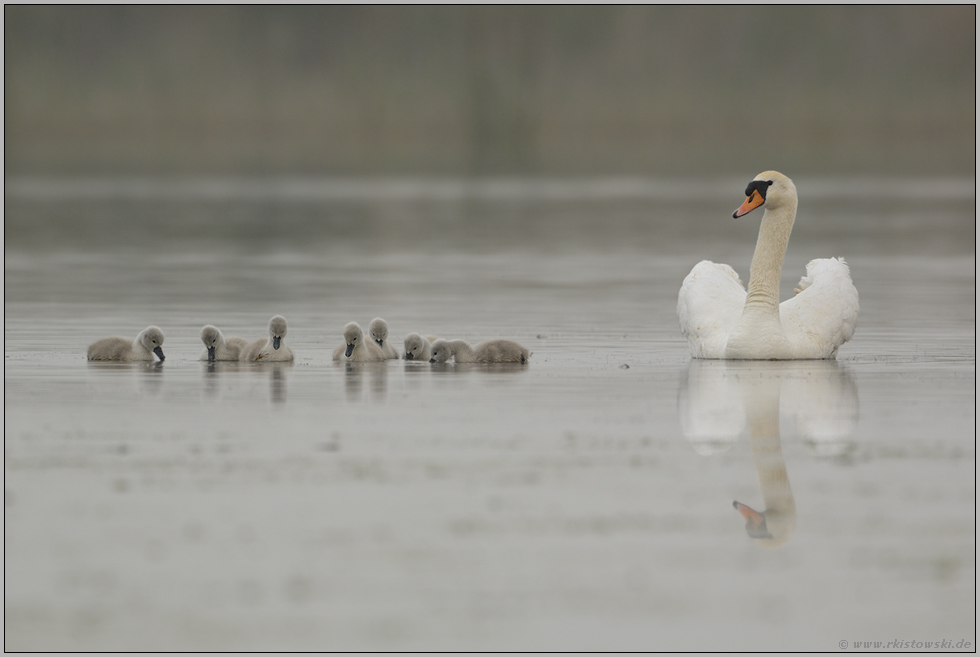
(211,337)
(378,329)
(277,330)
(414,346)
(353,336)
(770,189)
(441,352)
(152,340)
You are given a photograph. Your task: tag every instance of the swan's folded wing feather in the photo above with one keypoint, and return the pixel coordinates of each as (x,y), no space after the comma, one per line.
(709,305)
(823,315)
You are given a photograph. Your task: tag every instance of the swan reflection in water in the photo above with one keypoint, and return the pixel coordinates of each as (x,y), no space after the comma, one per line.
(814,400)
(275,371)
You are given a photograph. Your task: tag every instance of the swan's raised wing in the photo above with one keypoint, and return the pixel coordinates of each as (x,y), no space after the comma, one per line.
(710,406)
(819,403)
(823,315)
(708,306)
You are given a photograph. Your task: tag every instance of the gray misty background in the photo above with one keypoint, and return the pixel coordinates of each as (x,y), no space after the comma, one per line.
(658,91)
(543,174)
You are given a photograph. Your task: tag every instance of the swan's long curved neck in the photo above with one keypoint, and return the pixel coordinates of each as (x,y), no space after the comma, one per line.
(762,411)
(767,262)
(462,350)
(770,466)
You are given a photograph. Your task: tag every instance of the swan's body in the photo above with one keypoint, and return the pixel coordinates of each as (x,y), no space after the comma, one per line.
(721,320)
(419,347)
(218,347)
(147,346)
(490,351)
(355,348)
(269,349)
(378,328)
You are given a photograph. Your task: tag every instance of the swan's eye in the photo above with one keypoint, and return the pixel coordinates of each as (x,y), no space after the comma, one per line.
(758,186)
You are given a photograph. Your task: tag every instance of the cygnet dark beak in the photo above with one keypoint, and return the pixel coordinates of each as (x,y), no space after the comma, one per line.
(381,343)
(159,352)
(350,350)
(210,352)
(409,355)
(276,341)
(432,360)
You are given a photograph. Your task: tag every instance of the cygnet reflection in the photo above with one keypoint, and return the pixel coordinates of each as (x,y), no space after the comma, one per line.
(370,375)
(230,380)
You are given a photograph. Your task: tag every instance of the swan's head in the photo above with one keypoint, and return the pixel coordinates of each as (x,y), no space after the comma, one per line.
(378,330)
(353,336)
(152,340)
(769,529)
(414,346)
(277,330)
(441,352)
(211,337)
(771,189)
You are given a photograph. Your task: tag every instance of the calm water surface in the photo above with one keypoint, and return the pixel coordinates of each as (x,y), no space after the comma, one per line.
(581,502)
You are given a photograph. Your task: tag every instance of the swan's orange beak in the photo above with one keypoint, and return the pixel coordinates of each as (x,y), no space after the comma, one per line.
(750,515)
(753,201)
(755,522)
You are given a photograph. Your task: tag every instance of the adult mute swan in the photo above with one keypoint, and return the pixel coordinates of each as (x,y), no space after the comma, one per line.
(269,349)
(146,344)
(720,320)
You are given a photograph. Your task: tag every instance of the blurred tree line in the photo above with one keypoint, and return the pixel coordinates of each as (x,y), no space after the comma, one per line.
(489,90)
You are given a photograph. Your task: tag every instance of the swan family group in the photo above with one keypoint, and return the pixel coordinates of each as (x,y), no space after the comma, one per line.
(718,316)
(355,348)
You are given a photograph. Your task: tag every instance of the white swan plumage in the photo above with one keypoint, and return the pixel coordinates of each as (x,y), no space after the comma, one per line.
(720,319)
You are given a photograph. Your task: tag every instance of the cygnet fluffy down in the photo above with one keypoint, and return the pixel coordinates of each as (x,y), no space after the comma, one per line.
(146,344)
(419,347)
(219,347)
(355,348)
(378,329)
(490,351)
(269,349)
